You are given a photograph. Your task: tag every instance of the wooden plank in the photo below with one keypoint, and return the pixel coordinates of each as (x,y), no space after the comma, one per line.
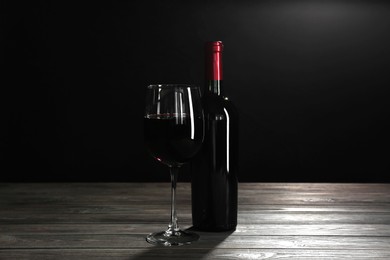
(101,208)
(106,189)
(276,186)
(361,230)
(297,199)
(207,241)
(130,193)
(187,252)
(163,216)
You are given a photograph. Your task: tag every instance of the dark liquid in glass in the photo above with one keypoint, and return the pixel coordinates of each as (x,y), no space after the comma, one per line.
(172,139)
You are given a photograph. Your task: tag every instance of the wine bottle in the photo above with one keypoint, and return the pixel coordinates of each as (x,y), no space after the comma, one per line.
(214,170)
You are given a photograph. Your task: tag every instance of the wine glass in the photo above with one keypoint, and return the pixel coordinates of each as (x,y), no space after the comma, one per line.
(173,131)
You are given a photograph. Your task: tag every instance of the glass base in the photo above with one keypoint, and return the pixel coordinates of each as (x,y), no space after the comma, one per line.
(176,238)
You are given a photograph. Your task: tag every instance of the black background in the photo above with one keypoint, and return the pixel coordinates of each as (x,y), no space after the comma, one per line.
(310,80)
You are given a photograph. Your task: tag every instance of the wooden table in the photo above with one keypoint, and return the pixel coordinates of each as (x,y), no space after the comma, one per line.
(276,220)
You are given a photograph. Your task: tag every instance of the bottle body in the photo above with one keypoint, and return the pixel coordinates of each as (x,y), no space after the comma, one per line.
(215,168)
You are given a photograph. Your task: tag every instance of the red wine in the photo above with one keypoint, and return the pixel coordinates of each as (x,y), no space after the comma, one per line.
(171,139)
(215,168)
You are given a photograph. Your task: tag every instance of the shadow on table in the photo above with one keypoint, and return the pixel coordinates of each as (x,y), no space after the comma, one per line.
(207,242)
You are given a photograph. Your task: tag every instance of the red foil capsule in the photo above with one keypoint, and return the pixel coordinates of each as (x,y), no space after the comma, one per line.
(214,69)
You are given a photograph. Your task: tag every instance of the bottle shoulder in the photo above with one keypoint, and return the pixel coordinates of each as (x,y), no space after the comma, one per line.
(216,101)
(230,105)
(219,107)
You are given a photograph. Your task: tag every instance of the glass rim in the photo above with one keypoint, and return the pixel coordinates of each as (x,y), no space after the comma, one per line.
(172,85)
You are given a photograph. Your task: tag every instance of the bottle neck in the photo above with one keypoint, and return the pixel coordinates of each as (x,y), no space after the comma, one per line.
(214,69)
(214,87)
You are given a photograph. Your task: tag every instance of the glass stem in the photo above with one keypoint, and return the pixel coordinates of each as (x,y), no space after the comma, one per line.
(173,225)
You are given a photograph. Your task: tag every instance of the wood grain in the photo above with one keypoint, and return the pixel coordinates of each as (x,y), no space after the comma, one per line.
(276,220)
